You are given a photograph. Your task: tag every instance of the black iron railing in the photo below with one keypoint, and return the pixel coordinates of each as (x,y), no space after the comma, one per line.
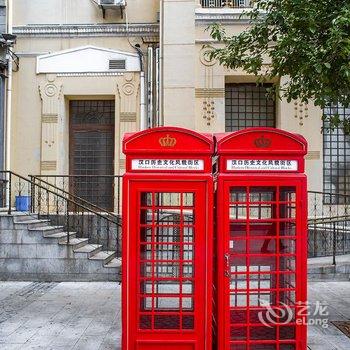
(102,190)
(328,224)
(74,214)
(226,3)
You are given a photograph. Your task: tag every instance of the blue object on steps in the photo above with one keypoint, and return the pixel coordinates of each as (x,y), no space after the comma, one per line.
(23,203)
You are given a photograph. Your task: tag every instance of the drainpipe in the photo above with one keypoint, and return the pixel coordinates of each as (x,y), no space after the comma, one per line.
(143,116)
(8,95)
(150,116)
(157,95)
(160,121)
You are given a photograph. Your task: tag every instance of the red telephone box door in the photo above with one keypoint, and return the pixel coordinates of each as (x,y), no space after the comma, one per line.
(264,264)
(169,269)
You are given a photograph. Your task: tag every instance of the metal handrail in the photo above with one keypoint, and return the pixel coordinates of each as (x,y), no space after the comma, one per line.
(329,220)
(330,194)
(76,203)
(80,180)
(77,198)
(328,224)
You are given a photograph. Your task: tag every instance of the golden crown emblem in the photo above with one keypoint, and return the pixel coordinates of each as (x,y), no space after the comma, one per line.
(262,142)
(167,141)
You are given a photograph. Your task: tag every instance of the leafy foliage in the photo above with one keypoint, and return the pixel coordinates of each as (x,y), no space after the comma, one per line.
(305,40)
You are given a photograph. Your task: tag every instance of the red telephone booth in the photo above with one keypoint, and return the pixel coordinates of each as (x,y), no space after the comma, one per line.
(262,240)
(167,240)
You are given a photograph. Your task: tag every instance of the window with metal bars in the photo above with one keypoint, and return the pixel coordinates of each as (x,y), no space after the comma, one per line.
(248,105)
(336,156)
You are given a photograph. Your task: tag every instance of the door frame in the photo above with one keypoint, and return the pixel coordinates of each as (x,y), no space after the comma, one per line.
(201,311)
(224,185)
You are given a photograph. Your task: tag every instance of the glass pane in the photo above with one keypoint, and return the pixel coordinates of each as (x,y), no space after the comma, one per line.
(263,347)
(262,263)
(262,194)
(287,228)
(238,194)
(238,229)
(238,212)
(262,281)
(262,229)
(168,255)
(166,321)
(238,299)
(287,211)
(262,211)
(262,298)
(262,246)
(287,263)
(238,333)
(287,194)
(238,282)
(263,333)
(238,246)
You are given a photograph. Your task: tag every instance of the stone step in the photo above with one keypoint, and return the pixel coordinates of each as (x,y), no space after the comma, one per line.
(74,242)
(33,223)
(22,216)
(47,229)
(114,263)
(60,235)
(87,250)
(106,256)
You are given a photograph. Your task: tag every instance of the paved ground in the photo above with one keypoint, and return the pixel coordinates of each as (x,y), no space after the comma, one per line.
(64,316)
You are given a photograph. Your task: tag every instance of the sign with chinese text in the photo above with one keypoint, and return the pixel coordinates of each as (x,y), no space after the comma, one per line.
(261,164)
(167,164)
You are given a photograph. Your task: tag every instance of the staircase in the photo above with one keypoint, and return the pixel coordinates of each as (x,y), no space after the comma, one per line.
(62,238)
(33,249)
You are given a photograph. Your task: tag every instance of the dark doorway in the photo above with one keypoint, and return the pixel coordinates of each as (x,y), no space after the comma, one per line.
(92,151)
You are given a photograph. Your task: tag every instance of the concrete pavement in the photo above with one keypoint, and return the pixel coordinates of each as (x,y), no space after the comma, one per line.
(84,316)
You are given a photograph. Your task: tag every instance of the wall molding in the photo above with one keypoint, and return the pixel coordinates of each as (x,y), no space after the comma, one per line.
(49,119)
(312,155)
(128,117)
(48,165)
(210,92)
(85,30)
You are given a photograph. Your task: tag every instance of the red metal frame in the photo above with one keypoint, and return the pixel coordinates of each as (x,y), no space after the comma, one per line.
(261,240)
(167,242)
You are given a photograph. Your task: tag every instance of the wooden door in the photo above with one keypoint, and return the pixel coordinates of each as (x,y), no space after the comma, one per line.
(92,150)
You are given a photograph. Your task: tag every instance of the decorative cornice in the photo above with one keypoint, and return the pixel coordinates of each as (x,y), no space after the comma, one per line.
(84,30)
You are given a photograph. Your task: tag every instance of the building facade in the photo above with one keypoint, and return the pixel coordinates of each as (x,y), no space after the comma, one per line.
(89,73)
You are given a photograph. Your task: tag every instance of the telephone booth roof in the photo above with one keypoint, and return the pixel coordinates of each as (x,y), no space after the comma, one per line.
(261,140)
(253,149)
(168,140)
